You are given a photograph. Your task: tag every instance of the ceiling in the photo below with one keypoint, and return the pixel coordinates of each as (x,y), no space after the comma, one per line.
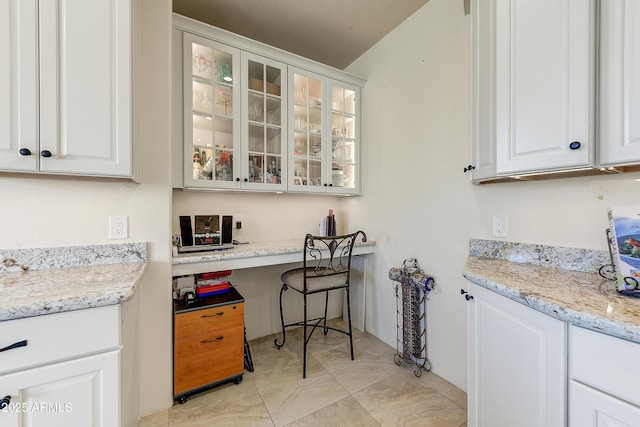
(333,32)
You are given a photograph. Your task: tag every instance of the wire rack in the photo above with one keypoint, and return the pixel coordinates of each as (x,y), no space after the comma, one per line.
(411,286)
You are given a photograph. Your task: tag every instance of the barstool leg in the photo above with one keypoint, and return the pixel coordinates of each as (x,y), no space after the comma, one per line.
(349,317)
(304,347)
(326,303)
(284,336)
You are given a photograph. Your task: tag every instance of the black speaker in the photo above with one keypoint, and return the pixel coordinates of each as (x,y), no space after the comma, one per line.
(227,229)
(186,232)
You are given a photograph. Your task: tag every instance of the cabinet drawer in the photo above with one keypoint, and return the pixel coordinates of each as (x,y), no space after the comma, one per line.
(208,358)
(605,362)
(198,322)
(59,336)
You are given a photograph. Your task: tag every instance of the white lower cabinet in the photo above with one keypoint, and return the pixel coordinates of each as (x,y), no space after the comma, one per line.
(517,363)
(77,393)
(603,390)
(589,407)
(70,369)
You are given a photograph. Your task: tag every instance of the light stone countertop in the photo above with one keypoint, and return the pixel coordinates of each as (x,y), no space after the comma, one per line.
(71,278)
(252,250)
(583,298)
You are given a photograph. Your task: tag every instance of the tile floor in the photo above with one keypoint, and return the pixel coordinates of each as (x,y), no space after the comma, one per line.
(369,391)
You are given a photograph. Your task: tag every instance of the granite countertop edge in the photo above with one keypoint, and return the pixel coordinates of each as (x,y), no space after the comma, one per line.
(69,278)
(564,285)
(251,250)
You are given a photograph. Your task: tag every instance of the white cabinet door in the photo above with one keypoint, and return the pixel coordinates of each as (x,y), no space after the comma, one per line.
(589,407)
(545,53)
(264,123)
(619,80)
(483,145)
(85,87)
(342,159)
(324,138)
(18,85)
(517,364)
(211,94)
(307,135)
(76,393)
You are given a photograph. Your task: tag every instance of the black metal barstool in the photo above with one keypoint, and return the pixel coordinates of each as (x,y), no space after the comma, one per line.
(326,267)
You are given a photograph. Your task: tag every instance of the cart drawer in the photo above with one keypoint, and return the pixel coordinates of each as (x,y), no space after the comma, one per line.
(208,358)
(194,323)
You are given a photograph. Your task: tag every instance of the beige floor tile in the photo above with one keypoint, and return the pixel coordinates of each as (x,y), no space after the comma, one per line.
(403,399)
(288,397)
(228,405)
(345,412)
(445,388)
(368,391)
(157,419)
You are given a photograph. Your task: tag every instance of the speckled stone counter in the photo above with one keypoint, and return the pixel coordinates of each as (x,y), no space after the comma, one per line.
(560,282)
(68,278)
(254,254)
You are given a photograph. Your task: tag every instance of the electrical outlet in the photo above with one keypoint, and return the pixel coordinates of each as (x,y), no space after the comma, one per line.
(499,226)
(118,227)
(237,221)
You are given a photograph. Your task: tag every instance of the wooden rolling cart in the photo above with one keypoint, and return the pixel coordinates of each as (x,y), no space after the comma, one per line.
(208,343)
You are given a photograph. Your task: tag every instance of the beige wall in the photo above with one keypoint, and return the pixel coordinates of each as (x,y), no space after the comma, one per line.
(418,201)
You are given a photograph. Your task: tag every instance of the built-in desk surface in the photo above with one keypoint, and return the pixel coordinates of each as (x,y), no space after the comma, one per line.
(258,254)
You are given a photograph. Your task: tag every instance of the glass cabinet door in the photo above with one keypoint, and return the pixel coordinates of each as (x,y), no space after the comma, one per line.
(308,139)
(345,129)
(211,112)
(264,118)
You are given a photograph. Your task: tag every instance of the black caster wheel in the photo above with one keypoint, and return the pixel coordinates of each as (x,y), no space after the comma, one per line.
(237,380)
(183,399)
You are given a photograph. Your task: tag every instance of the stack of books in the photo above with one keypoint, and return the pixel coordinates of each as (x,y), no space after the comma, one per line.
(625,248)
(208,284)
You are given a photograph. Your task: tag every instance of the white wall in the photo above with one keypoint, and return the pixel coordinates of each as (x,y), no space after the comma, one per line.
(55,211)
(418,201)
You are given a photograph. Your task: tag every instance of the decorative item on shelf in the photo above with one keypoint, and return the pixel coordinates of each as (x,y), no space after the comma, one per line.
(328,225)
(623,239)
(225,72)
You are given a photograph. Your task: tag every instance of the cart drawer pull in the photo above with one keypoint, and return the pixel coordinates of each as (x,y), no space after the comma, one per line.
(210,341)
(22,343)
(204,316)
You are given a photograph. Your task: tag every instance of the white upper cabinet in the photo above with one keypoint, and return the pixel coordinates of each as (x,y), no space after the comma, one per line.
(264,123)
(544,84)
(325,130)
(308,131)
(283,123)
(211,93)
(483,120)
(343,157)
(65,87)
(619,83)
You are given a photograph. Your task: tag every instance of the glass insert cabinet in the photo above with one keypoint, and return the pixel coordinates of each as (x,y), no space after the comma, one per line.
(211,112)
(248,121)
(325,151)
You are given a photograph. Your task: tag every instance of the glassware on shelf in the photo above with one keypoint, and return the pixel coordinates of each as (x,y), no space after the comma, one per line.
(224,73)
